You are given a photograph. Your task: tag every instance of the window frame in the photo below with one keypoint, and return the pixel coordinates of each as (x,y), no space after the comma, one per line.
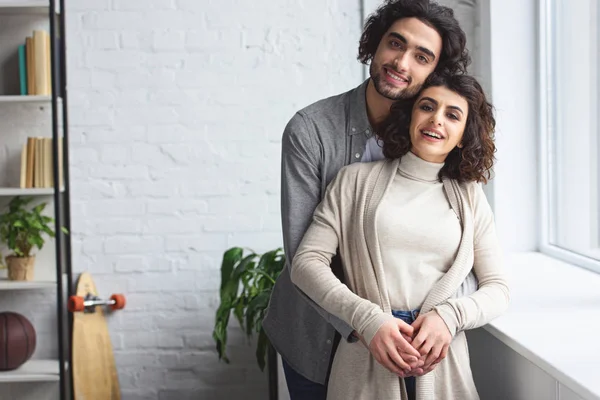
(547,128)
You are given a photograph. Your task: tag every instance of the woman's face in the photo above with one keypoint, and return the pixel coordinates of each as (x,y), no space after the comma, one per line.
(437,124)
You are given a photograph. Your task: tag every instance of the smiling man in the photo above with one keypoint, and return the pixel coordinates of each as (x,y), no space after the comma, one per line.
(404,41)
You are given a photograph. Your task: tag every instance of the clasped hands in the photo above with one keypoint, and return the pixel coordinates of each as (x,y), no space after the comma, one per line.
(411,350)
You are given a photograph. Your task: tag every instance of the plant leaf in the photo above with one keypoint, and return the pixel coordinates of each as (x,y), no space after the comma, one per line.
(230,259)
(258,303)
(220,330)
(261,349)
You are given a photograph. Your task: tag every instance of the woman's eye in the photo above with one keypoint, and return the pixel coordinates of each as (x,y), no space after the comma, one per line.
(453,116)
(425,107)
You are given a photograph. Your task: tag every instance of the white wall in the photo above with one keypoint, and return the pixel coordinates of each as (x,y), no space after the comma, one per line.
(176,112)
(514,83)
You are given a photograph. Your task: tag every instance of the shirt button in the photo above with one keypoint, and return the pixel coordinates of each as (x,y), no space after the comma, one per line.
(353,129)
(357,155)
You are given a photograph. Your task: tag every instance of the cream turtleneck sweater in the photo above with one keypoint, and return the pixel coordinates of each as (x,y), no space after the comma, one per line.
(347,220)
(418,232)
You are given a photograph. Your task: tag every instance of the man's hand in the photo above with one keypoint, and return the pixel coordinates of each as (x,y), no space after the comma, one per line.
(432,340)
(391,348)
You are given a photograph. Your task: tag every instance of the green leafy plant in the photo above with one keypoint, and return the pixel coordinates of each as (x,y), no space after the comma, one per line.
(246,285)
(22,228)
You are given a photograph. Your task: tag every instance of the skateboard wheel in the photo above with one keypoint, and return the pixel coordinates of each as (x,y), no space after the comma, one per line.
(119,300)
(75,303)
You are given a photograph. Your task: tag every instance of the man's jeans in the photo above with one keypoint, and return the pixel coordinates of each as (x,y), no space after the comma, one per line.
(411,382)
(301,388)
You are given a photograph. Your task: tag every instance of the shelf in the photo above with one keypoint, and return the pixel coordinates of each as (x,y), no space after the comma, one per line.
(16,7)
(6,284)
(9,191)
(33,371)
(25,99)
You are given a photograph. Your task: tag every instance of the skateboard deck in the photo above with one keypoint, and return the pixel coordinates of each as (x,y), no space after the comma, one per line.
(94,370)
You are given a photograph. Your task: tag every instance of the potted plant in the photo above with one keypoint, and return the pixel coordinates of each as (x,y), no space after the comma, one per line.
(22,229)
(246,285)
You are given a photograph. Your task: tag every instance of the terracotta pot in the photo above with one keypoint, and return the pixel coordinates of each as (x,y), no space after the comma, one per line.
(20,268)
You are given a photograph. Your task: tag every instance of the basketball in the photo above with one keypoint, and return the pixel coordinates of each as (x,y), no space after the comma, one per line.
(17,340)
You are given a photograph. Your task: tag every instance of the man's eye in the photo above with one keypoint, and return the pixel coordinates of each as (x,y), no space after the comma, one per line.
(422,59)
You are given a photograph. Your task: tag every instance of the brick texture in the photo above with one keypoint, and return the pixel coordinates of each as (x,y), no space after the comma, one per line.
(176,113)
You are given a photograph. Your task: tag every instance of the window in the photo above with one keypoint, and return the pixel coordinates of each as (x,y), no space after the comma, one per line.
(570,130)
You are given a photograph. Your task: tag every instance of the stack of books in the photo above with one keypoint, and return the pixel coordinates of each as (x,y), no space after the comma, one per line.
(37,163)
(34,64)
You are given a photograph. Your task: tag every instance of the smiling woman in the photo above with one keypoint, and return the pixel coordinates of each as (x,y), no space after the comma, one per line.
(437,123)
(451,122)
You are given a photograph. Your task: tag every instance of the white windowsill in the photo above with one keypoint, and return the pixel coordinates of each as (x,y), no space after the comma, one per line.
(554,320)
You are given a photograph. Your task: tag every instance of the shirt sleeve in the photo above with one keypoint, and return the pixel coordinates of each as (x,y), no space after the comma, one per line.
(492,297)
(300,195)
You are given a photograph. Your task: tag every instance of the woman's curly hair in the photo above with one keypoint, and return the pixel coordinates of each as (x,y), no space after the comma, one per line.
(454,58)
(472,162)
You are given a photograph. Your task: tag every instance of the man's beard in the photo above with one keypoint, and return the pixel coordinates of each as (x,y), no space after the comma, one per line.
(387,90)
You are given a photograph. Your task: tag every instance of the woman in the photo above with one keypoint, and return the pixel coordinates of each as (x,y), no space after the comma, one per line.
(409,230)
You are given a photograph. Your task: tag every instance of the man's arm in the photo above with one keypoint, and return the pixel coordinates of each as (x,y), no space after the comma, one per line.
(300,195)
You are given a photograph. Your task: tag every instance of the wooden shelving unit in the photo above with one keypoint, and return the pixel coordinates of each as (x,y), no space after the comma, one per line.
(17,19)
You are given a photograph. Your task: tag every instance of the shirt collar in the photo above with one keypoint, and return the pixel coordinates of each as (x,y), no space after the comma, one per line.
(359,121)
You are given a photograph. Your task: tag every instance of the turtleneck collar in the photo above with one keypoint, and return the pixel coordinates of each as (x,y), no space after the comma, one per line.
(418,169)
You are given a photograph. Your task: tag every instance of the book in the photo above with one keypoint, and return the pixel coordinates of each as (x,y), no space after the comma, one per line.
(41,56)
(23,69)
(37,163)
(30,65)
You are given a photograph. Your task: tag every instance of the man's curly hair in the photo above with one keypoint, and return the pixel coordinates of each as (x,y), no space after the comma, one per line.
(472,162)
(454,58)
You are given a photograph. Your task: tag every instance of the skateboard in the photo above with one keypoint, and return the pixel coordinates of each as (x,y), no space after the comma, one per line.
(94,371)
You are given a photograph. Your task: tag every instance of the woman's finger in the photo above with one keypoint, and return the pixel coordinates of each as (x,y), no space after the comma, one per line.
(443,353)
(395,356)
(405,328)
(426,347)
(419,339)
(406,347)
(391,366)
(434,354)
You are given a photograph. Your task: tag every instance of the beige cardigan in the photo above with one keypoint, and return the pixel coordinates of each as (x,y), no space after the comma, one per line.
(346,218)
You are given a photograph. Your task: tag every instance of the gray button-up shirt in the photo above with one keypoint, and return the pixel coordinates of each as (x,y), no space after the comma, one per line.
(317,142)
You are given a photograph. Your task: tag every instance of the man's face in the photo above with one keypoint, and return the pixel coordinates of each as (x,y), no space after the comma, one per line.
(408,52)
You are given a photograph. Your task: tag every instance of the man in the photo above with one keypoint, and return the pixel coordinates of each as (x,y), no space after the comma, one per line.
(404,41)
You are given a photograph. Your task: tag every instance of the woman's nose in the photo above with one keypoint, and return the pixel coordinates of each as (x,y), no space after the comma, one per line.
(436,120)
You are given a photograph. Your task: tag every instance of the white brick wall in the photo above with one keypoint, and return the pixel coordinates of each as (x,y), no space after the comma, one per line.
(176,113)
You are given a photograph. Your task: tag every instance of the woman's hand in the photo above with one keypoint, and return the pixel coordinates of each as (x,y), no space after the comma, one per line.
(389,343)
(432,339)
